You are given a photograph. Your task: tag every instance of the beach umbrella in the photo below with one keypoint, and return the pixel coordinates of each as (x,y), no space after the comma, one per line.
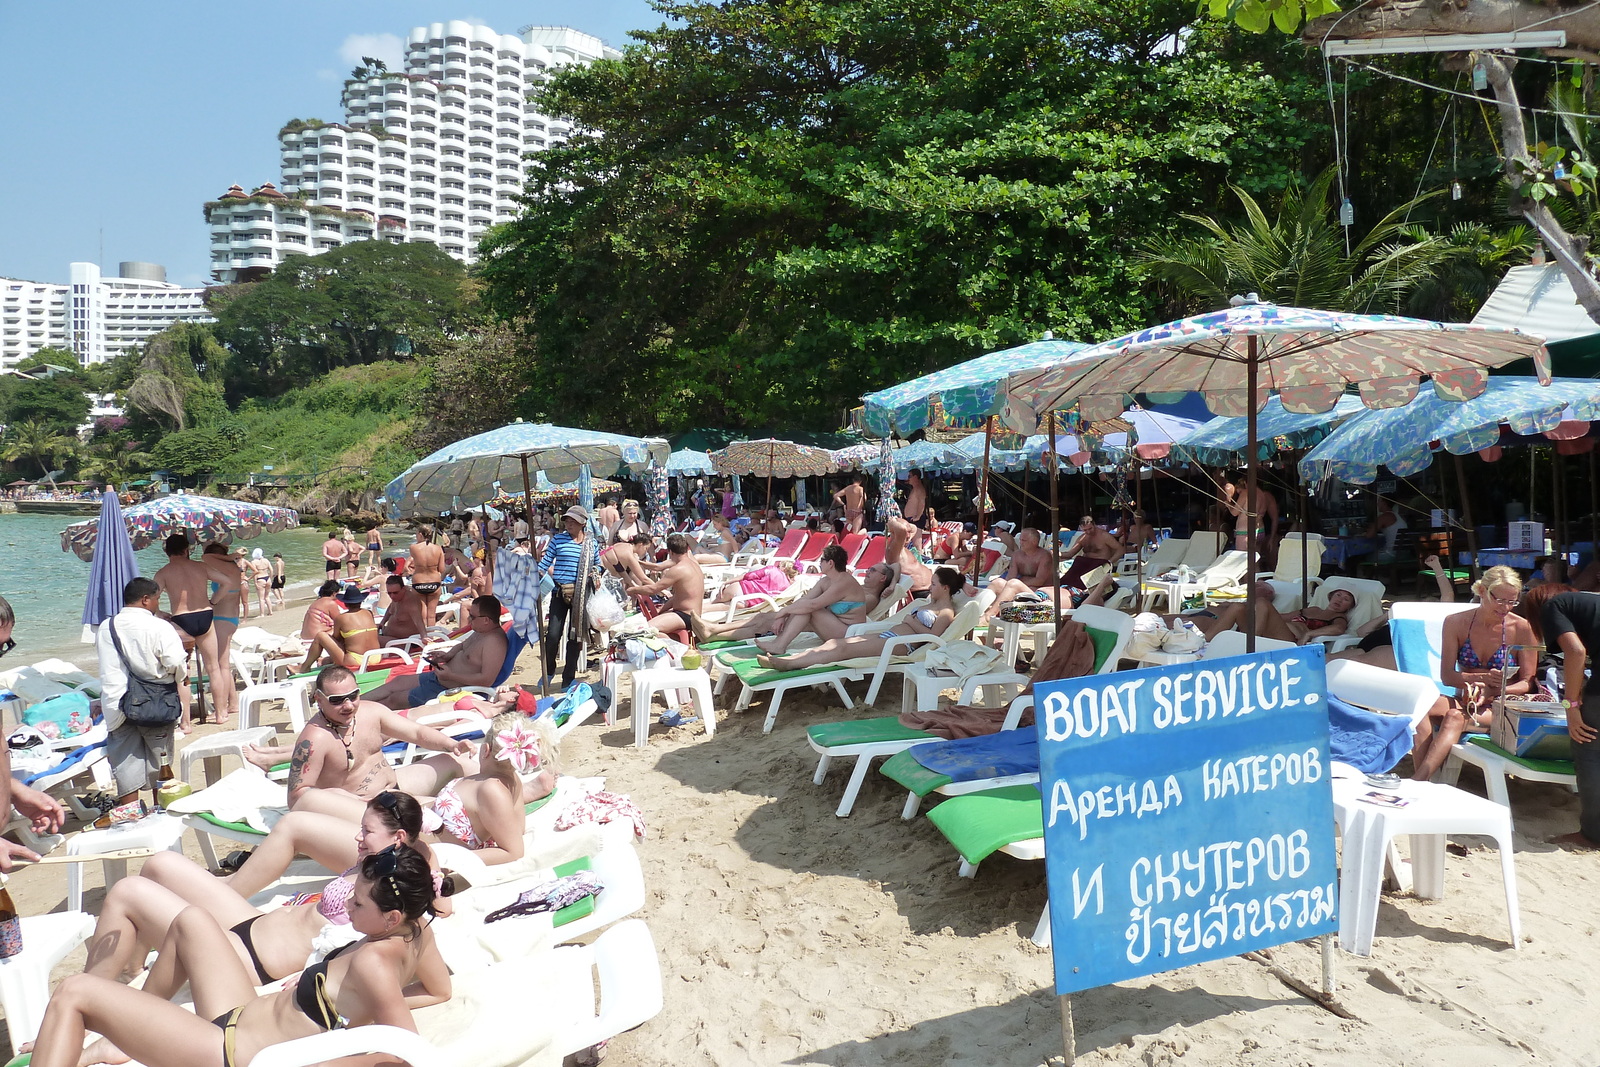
(1404,439)
(968,392)
(1222,441)
(770,458)
(858,457)
(111,570)
(472,470)
(686,461)
(1237,357)
(887,507)
(660,507)
(918,456)
(206,518)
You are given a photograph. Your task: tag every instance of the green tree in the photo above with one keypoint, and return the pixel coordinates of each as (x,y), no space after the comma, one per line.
(178,377)
(786,205)
(58,402)
(115,463)
(1298,255)
(470,384)
(37,442)
(48,356)
(359,304)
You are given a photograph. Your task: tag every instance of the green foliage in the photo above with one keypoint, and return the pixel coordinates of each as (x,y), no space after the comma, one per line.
(788,205)
(38,443)
(470,384)
(1299,257)
(57,402)
(1259,16)
(358,304)
(48,356)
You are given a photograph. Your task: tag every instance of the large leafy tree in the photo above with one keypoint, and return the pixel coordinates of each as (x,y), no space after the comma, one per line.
(57,402)
(788,204)
(359,304)
(38,442)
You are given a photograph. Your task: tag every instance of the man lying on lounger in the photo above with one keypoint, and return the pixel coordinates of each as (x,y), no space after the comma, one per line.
(337,763)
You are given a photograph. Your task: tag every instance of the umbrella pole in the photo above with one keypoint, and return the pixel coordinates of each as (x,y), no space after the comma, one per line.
(1466,517)
(544,653)
(1594,509)
(1305,532)
(1252,388)
(1055,517)
(983,497)
(772,461)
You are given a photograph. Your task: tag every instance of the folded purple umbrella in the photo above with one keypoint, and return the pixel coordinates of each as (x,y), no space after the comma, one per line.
(113,566)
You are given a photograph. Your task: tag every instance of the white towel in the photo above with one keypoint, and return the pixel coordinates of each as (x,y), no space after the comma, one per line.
(246,795)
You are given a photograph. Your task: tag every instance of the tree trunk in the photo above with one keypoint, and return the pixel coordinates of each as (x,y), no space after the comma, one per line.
(1570,252)
(1416,18)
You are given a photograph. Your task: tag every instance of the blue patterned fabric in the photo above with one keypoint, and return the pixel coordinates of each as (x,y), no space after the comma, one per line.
(974,759)
(516,583)
(1369,742)
(969,390)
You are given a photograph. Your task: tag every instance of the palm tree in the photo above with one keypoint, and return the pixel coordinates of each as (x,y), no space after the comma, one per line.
(116,465)
(1299,257)
(36,441)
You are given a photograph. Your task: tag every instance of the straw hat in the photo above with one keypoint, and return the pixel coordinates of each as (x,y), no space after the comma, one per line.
(578,512)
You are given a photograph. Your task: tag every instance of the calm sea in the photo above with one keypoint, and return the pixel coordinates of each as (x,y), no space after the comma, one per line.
(46,586)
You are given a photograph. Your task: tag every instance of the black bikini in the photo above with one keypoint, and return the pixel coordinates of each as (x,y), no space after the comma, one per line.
(194,623)
(310,996)
(242,930)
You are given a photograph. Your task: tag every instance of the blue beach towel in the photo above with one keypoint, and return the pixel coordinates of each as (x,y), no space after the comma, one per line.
(1417,652)
(1369,742)
(972,759)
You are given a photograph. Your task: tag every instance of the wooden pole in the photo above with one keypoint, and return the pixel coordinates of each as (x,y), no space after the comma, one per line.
(1055,517)
(1252,388)
(983,497)
(544,648)
(1305,532)
(1069,1039)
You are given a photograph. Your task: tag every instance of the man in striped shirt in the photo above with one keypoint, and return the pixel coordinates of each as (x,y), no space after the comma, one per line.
(572,553)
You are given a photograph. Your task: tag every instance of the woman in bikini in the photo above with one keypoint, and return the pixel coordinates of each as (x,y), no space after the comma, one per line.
(355,631)
(359,984)
(138,912)
(1478,649)
(228,598)
(630,527)
(483,812)
(721,553)
(261,578)
(933,619)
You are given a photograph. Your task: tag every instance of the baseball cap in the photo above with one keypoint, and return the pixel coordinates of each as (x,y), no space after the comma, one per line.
(1007,526)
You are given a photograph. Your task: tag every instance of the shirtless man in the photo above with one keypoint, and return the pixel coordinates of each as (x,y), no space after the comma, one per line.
(609,518)
(899,551)
(337,763)
(404,617)
(1095,548)
(916,509)
(853,498)
(427,572)
(332,555)
(1031,570)
(687,582)
(186,582)
(374,545)
(475,661)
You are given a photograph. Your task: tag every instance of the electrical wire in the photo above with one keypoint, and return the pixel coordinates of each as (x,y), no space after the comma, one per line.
(1451,92)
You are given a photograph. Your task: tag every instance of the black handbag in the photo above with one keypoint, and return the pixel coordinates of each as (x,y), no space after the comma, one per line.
(146,703)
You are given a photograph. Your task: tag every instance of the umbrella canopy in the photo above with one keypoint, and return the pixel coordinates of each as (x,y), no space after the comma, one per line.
(969,390)
(919,455)
(1404,439)
(19,481)
(1305,355)
(113,567)
(1151,434)
(469,472)
(1222,441)
(859,457)
(207,518)
(686,461)
(770,458)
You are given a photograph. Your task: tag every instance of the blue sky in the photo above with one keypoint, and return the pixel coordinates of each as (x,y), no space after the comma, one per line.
(125,118)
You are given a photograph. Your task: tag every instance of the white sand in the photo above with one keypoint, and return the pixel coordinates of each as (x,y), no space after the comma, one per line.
(789,936)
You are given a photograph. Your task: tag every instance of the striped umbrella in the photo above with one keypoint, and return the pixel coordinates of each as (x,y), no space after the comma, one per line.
(206,518)
(770,458)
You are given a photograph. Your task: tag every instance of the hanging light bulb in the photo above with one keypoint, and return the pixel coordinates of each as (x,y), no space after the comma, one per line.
(1480,77)
(1347,213)
(1455,190)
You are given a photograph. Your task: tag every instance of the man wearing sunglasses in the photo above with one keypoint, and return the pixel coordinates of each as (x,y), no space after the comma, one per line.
(43,810)
(337,763)
(475,661)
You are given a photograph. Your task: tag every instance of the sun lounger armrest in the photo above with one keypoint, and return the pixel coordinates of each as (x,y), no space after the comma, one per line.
(405,642)
(1336,642)
(354,1041)
(969,690)
(900,644)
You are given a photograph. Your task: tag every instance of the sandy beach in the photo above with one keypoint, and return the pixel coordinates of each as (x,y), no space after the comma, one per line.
(790,936)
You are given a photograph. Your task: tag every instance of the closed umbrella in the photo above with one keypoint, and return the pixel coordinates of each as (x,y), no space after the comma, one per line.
(1238,356)
(112,569)
(887,508)
(660,506)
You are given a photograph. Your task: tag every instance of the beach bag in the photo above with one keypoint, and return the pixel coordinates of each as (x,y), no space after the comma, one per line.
(1028,612)
(1147,637)
(58,710)
(1184,637)
(146,703)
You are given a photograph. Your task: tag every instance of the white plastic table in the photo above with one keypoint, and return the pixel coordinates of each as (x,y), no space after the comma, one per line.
(1431,812)
(160,831)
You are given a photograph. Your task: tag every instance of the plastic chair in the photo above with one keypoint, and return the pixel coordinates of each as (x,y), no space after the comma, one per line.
(294,692)
(214,747)
(1431,812)
(25,978)
(652,680)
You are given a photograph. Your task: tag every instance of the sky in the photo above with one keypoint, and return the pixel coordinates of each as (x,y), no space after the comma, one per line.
(126,118)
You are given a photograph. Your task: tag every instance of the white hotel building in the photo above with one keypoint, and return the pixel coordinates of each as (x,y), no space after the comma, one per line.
(432,153)
(97,318)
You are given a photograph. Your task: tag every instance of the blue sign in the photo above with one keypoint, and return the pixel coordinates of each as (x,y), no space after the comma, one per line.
(1188,813)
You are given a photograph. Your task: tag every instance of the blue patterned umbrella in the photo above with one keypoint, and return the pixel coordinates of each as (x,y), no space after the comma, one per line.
(917,456)
(471,471)
(1404,439)
(887,508)
(207,518)
(967,391)
(688,461)
(112,569)
(1221,442)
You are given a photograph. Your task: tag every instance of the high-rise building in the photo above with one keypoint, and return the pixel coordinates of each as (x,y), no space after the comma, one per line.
(429,153)
(97,318)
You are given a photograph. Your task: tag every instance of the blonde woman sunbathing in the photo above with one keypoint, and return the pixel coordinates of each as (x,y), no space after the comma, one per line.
(827,609)
(933,619)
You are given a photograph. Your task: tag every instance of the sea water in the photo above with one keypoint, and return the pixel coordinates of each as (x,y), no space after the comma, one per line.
(46,586)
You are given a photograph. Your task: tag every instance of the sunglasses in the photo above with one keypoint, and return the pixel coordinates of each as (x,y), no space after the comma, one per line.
(343,698)
(7,645)
(388,800)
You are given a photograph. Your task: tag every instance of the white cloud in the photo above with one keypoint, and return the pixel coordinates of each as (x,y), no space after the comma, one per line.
(384,46)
